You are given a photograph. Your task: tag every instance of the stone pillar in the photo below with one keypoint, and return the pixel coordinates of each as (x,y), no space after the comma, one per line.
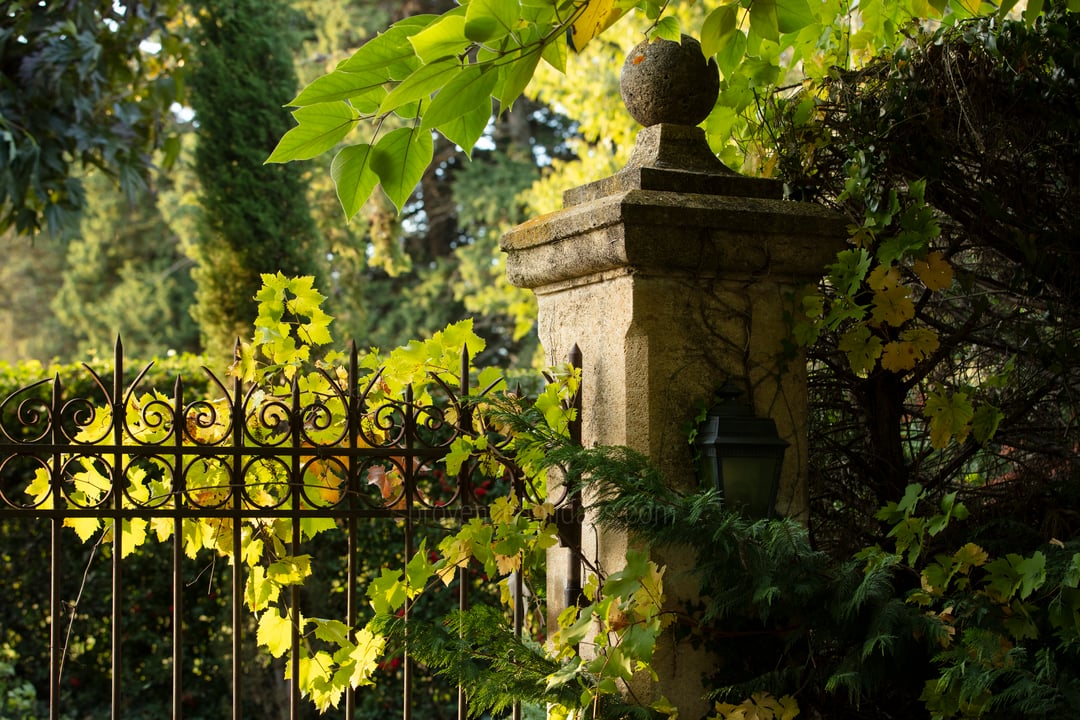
(673,276)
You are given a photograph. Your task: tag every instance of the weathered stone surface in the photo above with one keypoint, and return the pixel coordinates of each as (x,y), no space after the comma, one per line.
(669,82)
(673,276)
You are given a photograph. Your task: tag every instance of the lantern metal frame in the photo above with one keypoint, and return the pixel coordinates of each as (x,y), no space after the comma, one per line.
(740,454)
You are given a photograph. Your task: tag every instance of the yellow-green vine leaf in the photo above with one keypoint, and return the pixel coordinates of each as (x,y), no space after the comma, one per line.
(596,17)
(892,303)
(369,648)
(400,159)
(914,345)
(274,632)
(935,272)
(321,127)
(793,15)
(950,417)
(387,592)
(862,349)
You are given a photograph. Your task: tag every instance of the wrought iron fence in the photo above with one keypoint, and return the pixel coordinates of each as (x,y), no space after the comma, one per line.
(352,455)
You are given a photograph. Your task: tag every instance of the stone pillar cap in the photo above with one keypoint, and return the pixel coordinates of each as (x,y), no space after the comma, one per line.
(670,88)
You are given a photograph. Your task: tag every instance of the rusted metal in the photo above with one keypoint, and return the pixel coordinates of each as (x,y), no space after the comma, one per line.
(42,428)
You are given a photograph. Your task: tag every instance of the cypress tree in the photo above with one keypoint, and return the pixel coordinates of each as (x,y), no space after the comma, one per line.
(256,217)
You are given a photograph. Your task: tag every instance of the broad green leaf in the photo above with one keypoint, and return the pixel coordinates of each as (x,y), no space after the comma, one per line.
(424,81)
(556,53)
(389,52)
(1032,572)
(668,29)
(400,159)
(487,20)
(462,95)
(985,422)
(353,178)
(718,29)
(728,58)
(274,633)
(443,38)
(365,90)
(466,129)
(763,19)
(793,15)
(514,77)
(320,128)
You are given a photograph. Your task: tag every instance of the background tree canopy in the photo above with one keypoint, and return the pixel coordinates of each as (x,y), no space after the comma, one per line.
(943,341)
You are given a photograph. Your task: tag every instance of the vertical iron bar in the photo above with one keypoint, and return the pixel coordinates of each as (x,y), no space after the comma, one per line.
(465,489)
(177,488)
(118,483)
(352,424)
(236,480)
(56,638)
(296,480)
(406,664)
(56,649)
(572,532)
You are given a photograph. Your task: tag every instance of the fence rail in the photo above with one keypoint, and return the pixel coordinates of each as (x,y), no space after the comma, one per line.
(342,448)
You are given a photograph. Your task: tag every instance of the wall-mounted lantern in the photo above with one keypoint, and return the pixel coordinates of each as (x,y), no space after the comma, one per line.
(740,454)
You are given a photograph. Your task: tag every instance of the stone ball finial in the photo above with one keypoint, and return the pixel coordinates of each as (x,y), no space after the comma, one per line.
(669,82)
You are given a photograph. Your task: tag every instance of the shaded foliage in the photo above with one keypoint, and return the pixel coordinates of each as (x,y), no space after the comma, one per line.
(78,90)
(985,115)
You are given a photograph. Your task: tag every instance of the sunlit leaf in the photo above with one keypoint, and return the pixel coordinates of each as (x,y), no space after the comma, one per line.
(421,83)
(364,89)
(668,28)
(718,29)
(763,19)
(390,52)
(487,20)
(400,159)
(596,17)
(369,648)
(354,178)
(462,95)
(793,15)
(321,127)
(274,632)
(442,39)
(466,129)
